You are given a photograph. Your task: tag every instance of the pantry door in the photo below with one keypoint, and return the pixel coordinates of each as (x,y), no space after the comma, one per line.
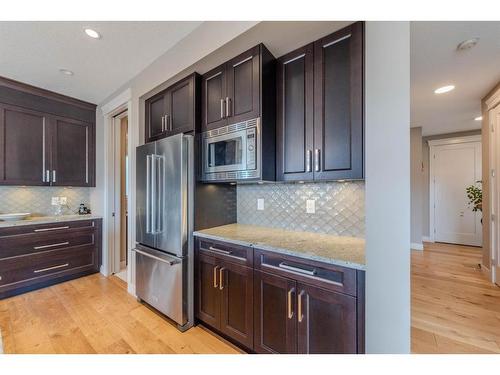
(455,165)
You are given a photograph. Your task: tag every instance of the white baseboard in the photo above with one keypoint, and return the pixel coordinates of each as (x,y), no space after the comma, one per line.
(417,246)
(426,239)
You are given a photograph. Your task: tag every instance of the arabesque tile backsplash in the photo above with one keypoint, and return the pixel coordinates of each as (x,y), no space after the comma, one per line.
(37,199)
(340,206)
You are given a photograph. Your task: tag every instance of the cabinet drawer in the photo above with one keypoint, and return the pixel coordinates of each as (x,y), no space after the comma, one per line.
(226,251)
(324,275)
(33,268)
(56,227)
(41,242)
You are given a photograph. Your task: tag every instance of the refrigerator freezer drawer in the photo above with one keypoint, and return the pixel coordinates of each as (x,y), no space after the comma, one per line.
(160,282)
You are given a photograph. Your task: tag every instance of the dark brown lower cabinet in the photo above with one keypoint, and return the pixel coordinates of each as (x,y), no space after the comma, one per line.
(275,303)
(225,298)
(275,314)
(326,321)
(35,256)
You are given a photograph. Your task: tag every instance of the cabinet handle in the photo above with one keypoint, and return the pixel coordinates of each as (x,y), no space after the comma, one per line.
(299,314)
(49,229)
(308,161)
(51,268)
(228,107)
(162,123)
(222,108)
(221,278)
(316,159)
(169,123)
(215,276)
(219,250)
(51,245)
(53,175)
(47,176)
(289,297)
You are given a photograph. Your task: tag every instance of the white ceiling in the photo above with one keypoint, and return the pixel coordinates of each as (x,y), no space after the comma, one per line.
(33,52)
(435,62)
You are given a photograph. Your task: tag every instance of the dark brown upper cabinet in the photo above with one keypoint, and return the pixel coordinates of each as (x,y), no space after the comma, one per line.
(295,115)
(46,139)
(239,90)
(320,109)
(72,153)
(174,110)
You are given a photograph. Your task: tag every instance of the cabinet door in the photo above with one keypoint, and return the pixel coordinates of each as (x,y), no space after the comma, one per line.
(275,314)
(243,88)
(236,284)
(213,96)
(72,153)
(24,147)
(294,126)
(208,294)
(156,110)
(326,321)
(181,107)
(338,102)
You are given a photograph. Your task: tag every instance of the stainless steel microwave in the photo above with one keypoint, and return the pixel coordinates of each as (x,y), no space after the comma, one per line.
(233,152)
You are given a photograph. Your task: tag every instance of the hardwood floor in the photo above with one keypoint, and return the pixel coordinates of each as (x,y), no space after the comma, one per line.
(455,309)
(94,314)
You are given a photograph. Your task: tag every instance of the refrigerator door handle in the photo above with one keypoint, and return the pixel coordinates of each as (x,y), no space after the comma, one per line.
(154,181)
(148,197)
(161,194)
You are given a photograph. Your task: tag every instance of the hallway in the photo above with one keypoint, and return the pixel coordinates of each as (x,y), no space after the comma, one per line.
(454,308)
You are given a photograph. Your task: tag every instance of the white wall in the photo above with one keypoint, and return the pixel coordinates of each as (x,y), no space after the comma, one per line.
(387,124)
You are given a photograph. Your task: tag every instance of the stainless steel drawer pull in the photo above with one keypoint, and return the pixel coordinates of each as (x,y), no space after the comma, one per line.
(169,262)
(48,229)
(297,269)
(51,245)
(220,250)
(51,268)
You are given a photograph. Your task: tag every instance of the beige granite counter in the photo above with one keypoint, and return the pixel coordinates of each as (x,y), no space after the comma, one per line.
(342,251)
(46,219)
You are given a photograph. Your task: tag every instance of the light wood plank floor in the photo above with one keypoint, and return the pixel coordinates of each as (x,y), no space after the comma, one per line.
(455,309)
(94,314)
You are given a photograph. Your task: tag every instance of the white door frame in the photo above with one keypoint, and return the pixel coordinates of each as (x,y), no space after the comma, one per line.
(117,105)
(432,146)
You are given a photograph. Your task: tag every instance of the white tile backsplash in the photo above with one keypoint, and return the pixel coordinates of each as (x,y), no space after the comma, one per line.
(38,199)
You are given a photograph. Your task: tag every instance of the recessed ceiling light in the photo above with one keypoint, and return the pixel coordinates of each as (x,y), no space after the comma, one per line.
(92,33)
(66,72)
(478,118)
(444,89)
(467,44)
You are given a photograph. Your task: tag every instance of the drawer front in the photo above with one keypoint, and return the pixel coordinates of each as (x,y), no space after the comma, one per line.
(226,251)
(38,267)
(324,275)
(56,227)
(45,241)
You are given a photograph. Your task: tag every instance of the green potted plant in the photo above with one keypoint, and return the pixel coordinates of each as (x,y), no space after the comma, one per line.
(475,196)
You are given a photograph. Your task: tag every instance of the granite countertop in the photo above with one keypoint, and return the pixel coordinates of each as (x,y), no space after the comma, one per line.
(33,220)
(339,250)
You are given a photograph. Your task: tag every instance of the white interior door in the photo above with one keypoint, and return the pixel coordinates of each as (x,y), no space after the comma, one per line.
(454,167)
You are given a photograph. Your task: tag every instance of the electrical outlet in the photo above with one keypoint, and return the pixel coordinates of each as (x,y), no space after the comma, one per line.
(260,204)
(55,201)
(63,200)
(310,206)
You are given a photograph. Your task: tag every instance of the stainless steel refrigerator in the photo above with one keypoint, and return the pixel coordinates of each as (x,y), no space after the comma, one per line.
(164,249)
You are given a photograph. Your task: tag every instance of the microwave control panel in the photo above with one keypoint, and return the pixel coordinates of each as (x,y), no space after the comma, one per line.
(251,148)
